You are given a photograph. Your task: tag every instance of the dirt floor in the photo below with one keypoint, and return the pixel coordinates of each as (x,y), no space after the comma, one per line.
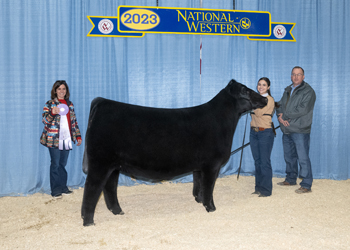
(166,216)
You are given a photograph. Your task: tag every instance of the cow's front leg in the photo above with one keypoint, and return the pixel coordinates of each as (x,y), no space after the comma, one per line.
(197,188)
(110,193)
(208,183)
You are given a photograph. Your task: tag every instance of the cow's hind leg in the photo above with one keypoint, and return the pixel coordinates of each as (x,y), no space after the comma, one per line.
(94,184)
(110,193)
(197,187)
(208,183)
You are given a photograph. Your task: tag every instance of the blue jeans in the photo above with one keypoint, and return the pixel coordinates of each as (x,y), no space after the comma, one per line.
(261,144)
(58,173)
(296,149)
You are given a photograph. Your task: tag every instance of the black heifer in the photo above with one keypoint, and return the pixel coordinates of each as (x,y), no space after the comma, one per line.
(160,144)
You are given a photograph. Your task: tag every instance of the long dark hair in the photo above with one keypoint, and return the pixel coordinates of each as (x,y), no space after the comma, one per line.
(55,87)
(267,80)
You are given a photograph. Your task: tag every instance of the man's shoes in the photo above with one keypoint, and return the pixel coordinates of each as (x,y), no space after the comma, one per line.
(57,196)
(256,192)
(262,195)
(67,192)
(285,183)
(302,190)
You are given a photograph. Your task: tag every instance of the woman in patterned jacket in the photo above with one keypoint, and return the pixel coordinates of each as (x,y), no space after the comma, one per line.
(61,128)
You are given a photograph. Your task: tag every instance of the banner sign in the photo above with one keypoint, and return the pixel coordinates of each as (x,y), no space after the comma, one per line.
(108,27)
(193,21)
(281,32)
(135,21)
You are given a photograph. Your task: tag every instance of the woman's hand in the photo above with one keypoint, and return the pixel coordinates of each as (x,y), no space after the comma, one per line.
(55,110)
(79,142)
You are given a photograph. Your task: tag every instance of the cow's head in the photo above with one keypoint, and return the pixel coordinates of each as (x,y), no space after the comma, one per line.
(247,99)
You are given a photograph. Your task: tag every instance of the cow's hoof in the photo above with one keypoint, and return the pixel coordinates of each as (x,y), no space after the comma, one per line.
(198,199)
(210,209)
(117,211)
(87,224)
(120,213)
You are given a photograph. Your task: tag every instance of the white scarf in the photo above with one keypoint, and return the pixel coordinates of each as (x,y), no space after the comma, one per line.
(64,134)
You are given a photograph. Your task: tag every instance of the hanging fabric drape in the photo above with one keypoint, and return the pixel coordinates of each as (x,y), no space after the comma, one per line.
(43,41)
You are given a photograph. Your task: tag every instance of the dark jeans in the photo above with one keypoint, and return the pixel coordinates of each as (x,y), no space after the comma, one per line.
(296,149)
(261,144)
(58,173)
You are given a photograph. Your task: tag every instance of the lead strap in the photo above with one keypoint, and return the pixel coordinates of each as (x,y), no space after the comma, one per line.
(240,162)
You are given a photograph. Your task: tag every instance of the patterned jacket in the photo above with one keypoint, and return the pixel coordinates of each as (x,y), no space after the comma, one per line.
(50,135)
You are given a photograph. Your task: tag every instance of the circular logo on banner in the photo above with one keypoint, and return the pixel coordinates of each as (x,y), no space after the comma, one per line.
(279,31)
(245,23)
(105,26)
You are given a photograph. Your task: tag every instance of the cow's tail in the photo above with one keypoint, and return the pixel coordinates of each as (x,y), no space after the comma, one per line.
(85,157)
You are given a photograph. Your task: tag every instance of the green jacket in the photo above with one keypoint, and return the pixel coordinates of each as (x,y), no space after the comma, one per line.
(297,109)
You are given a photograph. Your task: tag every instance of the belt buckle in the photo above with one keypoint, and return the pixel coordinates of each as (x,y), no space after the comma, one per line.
(256,129)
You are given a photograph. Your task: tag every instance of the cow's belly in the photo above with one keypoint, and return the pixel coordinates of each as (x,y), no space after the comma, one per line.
(156,172)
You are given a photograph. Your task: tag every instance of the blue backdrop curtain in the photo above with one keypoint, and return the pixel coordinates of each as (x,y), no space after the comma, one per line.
(46,40)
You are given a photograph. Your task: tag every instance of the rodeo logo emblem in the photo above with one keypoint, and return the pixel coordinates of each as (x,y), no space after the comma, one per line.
(245,23)
(279,31)
(105,26)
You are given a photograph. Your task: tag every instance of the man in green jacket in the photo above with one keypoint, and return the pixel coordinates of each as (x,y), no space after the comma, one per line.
(294,112)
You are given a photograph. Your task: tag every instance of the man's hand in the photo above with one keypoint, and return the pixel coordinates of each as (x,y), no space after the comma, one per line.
(284,122)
